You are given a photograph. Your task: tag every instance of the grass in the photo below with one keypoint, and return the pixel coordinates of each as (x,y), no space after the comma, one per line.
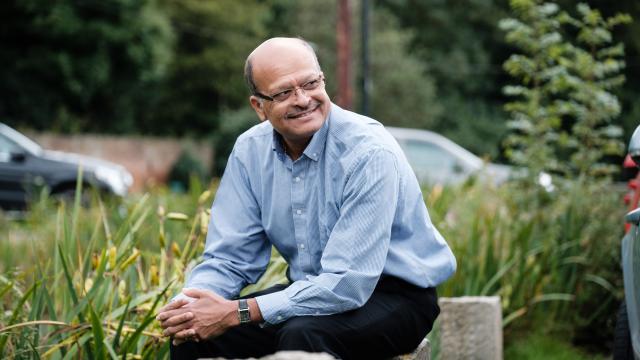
(539,345)
(84,282)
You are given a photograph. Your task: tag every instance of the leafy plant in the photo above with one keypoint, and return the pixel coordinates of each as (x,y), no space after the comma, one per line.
(563,108)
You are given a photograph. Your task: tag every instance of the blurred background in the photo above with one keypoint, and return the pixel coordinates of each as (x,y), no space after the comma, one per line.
(541,95)
(173,69)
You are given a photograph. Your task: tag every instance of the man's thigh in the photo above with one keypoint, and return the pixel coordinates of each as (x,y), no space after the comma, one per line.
(394,321)
(388,324)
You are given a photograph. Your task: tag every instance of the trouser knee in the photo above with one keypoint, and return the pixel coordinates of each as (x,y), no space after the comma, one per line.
(304,334)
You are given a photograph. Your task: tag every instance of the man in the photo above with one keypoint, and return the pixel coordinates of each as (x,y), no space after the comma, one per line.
(333,192)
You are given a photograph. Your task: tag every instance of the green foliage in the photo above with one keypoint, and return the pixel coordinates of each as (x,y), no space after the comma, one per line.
(403,91)
(185,168)
(457,41)
(88,281)
(72,65)
(561,118)
(548,260)
(213,39)
(550,346)
(543,253)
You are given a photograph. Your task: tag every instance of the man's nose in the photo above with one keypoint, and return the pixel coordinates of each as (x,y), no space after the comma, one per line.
(300,97)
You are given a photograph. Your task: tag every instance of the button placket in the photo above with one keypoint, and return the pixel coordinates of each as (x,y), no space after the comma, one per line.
(299,212)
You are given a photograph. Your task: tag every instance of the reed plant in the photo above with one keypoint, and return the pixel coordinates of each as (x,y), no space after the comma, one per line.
(551,255)
(85,281)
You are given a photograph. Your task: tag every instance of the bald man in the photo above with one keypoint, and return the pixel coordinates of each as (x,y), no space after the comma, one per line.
(335,195)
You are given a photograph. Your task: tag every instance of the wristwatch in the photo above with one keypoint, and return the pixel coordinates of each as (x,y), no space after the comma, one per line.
(243,311)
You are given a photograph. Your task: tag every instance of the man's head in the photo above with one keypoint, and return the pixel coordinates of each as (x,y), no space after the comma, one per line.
(287,87)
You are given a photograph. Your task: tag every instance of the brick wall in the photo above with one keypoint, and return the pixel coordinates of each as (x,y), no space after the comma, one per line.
(149,159)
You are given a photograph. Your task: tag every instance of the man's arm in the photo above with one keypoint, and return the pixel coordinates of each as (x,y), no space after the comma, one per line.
(236,253)
(356,251)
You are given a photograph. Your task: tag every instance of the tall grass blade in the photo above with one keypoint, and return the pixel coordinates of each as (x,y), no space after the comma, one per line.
(16,312)
(98,335)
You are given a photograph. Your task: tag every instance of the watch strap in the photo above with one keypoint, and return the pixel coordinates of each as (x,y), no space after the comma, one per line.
(243,311)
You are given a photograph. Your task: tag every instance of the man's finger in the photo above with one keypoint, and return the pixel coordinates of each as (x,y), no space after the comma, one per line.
(177,319)
(176,304)
(173,330)
(177,342)
(162,316)
(186,334)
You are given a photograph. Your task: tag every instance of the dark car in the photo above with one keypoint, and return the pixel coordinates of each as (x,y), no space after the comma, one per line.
(25,168)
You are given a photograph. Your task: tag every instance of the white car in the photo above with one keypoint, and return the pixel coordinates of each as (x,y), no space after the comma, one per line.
(438,160)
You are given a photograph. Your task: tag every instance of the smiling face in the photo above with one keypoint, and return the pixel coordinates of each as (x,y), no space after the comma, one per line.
(283,64)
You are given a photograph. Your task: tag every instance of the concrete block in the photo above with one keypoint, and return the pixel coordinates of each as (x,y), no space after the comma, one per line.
(422,352)
(291,355)
(470,328)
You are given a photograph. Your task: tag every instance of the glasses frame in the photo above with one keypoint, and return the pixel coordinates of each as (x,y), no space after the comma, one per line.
(294,90)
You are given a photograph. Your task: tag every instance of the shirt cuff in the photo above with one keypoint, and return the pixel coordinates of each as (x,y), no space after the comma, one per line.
(275,307)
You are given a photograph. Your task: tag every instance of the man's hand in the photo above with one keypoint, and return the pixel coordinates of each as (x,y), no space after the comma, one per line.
(166,312)
(208,316)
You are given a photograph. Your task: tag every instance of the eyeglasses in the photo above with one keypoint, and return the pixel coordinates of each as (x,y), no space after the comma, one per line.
(285,94)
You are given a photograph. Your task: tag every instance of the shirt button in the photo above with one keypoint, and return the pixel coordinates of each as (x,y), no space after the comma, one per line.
(301,246)
(297,179)
(298,212)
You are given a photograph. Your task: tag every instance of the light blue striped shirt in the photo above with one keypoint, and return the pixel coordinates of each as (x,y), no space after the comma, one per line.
(345,212)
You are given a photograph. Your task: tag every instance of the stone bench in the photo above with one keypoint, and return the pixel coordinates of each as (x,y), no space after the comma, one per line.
(422,352)
(470,327)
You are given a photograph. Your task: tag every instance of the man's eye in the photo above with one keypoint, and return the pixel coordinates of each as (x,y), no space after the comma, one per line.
(311,85)
(282,95)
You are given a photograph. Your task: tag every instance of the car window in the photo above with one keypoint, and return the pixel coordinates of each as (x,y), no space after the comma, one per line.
(8,146)
(426,155)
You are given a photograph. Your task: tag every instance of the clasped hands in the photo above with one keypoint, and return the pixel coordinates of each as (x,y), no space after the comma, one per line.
(205,316)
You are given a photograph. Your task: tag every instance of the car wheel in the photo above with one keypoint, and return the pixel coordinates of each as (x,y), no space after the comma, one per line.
(622,348)
(68,196)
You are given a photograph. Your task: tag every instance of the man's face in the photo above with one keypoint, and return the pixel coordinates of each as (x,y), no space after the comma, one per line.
(299,116)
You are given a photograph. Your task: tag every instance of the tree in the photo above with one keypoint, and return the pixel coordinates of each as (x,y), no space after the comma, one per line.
(562,116)
(80,65)
(459,43)
(205,76)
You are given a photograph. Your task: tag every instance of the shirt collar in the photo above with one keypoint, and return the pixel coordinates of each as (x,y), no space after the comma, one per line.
(318,141)
(316,145)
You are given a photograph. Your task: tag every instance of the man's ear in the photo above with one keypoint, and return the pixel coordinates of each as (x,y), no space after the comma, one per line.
(258,107)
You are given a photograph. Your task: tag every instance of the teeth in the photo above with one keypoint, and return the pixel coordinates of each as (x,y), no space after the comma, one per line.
(302,114)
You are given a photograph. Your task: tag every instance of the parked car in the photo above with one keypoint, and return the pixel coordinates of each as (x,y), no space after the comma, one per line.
(438,160)
(627,334)
(25,168)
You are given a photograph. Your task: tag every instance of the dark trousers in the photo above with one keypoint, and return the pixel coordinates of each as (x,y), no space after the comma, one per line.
(394,321)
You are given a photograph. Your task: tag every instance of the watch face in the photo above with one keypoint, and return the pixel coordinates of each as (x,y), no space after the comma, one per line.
(244,316)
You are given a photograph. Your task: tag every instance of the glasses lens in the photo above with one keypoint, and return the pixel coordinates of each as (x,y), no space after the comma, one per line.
(311,85)
(308,86)
(282,96)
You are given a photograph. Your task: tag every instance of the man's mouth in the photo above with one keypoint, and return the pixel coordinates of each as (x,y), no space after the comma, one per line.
(303,113)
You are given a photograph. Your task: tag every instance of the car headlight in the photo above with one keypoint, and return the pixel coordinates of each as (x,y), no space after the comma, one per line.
(118,181)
